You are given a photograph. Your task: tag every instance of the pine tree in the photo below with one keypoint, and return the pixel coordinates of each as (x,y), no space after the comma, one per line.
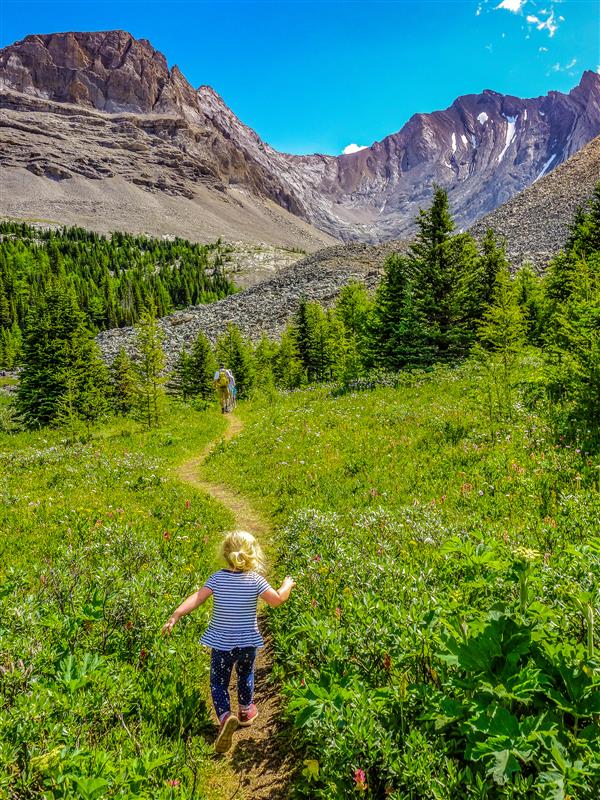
(501,337)
(123,383)
(59,354)
(288,369)
(264,354)
(572,328)
(530,297)
(202,368)
(149,367)
(236,354)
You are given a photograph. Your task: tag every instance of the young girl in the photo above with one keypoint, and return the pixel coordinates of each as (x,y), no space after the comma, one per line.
(233,631)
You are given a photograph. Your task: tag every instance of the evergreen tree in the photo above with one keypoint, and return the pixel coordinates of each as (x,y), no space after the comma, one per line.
(501,337)
(123,383)
(59,354)
(264,354)
(149,367)
(572,325)
(236,354)
(530,297)
(202,368)
(180,380)
(288,370)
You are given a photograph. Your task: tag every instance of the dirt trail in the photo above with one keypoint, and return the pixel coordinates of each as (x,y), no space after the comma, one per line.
(259,765)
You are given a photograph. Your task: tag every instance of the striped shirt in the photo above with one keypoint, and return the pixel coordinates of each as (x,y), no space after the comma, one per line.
(233,621)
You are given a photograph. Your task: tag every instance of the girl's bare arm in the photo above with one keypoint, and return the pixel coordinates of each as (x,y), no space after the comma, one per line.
(192,602)
(276,598)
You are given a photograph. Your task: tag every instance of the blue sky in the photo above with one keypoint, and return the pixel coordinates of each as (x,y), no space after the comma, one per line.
(318,76)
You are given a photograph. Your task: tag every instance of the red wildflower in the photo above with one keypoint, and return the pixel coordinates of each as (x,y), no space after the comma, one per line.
(338,612)
(166,535)
(387,662)
(316,558)
(187,503)
(143,654)
(360,780)
(174,783)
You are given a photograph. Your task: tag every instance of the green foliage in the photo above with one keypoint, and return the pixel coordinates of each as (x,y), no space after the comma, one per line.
(572,337)
(63,375)
(429,300)
(99,547)
(441,639)
(123,384)
(113,278)
(149,385)
(237,355)
(501,337)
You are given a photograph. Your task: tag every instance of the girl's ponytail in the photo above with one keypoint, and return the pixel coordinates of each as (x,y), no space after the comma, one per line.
(242,552)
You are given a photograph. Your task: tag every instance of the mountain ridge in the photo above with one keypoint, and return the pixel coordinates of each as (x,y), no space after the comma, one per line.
(146,125)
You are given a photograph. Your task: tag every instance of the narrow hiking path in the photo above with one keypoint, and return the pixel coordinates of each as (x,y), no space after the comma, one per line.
(259,765)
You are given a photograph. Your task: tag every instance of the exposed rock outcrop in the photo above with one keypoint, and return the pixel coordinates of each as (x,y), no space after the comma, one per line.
(101,107)
(267,306)
(534,225)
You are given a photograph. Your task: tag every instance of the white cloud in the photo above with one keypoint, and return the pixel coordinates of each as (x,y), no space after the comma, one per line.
(543,49)
(353,148)
(598,69)
(512,5)
(549,24)
(558,67)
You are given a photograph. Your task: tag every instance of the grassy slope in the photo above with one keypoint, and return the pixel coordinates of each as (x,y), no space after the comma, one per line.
(98,543)
(427,443)
(401,517)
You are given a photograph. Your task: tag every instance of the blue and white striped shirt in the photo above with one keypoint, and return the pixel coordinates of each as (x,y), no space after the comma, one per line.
(233,621)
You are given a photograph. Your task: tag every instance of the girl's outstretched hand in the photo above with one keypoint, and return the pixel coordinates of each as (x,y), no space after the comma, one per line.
(168,626)
(288,581)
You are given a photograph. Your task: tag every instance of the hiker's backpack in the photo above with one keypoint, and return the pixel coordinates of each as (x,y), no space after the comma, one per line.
(223,379)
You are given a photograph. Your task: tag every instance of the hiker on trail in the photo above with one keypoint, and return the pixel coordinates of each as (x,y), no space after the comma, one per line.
(222,381)
(233,631)
(232,390)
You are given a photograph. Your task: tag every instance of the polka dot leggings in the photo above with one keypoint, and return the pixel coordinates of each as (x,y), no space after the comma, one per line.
(221,666)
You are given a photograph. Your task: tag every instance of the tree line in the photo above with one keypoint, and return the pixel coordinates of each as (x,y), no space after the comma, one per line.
(113,278)
(444,300)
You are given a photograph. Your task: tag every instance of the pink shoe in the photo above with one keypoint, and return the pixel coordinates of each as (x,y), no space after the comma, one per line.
(229,725)
(247,715)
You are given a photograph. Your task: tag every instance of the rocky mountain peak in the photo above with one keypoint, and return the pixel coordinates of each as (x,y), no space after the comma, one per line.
(484,148)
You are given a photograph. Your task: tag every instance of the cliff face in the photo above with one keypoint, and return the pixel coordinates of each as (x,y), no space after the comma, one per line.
(106,107)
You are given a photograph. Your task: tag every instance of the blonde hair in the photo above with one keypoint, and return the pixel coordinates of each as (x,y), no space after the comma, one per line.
(242,552)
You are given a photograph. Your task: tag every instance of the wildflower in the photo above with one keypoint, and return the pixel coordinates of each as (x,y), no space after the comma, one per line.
(143,654)
(174,783)
(316,558)
(466,488)
(526,554)
(373,492)
(187,503)
(128,625)
(166,535)
(338,612)
(360,780)
(387,662)
(313,603)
